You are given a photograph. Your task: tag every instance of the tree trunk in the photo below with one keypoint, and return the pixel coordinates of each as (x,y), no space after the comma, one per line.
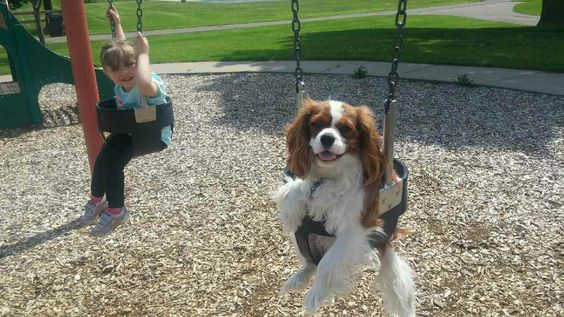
(47,5)
(36,8)
(552,14)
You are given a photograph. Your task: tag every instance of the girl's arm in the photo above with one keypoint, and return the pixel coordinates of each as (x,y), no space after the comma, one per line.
(112,14)
(144,81)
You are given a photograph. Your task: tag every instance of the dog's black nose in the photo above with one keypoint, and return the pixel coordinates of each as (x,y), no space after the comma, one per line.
(327,140)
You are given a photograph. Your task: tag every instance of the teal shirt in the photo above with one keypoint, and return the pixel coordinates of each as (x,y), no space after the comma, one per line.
(132,99)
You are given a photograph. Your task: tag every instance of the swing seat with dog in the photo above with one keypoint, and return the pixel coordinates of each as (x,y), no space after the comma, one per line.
(393,194)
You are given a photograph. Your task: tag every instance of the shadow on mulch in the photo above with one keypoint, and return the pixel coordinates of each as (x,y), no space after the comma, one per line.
(31,242)
(441,114)
(448,115)
(52,118)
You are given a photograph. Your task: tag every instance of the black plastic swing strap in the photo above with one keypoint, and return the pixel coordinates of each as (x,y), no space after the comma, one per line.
(378,239)
(309,226)
(112,120)
(145,136)
(391,217)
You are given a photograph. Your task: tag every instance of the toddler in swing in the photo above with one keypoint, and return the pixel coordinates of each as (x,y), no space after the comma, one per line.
(129,68)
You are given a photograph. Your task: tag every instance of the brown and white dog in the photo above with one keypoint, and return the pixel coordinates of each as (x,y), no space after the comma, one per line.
(335,146)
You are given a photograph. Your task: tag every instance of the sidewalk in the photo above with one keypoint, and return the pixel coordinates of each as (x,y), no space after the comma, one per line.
(491,10)
(526,80)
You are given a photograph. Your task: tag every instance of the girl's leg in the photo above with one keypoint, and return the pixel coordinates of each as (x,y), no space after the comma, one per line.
(119,154)
(96,205)
(98,182)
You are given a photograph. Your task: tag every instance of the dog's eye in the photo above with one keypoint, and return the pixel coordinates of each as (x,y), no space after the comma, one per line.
(344,129)
(315,125)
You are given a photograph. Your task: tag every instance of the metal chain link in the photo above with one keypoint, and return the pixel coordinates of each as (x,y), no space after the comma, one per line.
(393,76)
(296,27)
(139,16)
(112,24)
(390,105)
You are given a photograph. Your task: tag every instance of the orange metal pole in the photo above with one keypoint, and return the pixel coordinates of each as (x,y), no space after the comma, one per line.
(83,72)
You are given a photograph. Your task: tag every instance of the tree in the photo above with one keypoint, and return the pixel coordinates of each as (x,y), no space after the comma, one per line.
(552,14)
(36,8)
(16,4)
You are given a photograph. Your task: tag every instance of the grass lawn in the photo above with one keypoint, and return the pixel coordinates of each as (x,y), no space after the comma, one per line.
(429,39)
(170,15)
(529,7)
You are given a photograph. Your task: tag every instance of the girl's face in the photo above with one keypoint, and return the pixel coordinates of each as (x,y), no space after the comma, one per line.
(123,76)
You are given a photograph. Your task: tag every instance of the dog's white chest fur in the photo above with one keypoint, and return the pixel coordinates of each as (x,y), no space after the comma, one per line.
(336,202)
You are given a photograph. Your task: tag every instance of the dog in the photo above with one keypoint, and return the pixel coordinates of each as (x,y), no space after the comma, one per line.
(334,154)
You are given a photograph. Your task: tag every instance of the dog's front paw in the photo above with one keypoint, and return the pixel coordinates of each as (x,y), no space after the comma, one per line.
(291,201)
(291,221)
(314,298)
(298,280)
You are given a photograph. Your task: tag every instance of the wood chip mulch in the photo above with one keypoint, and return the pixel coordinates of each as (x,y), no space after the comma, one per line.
(486,197)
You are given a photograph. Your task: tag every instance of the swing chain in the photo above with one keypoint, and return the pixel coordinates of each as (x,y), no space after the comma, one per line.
(390,104)
(139,16)
(296,27)
(393,76)
(112,24)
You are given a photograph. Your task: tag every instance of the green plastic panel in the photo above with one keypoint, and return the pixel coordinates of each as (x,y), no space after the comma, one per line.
(34,66)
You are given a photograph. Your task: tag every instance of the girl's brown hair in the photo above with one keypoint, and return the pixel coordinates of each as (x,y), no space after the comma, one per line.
(117,54)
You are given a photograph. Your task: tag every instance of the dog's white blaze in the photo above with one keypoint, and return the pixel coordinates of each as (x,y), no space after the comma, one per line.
(339,147)
(336,111)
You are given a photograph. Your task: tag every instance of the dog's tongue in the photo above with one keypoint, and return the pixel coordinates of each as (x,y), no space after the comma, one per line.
(327,156)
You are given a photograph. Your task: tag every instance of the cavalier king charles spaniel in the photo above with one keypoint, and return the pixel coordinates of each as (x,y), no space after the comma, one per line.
(334,152)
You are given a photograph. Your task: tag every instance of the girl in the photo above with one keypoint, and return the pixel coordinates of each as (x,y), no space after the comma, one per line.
(129,69)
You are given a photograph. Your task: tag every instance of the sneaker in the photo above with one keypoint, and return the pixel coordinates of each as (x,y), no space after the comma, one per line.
(92,212)
(109,222)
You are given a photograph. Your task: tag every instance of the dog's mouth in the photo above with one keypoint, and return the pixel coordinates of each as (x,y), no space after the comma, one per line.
(328,156)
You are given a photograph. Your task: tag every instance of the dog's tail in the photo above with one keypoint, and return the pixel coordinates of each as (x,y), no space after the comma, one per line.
(396,281)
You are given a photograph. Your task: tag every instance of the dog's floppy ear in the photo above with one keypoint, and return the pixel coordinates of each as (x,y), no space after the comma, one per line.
(369,150)
(297,141)
(372,165)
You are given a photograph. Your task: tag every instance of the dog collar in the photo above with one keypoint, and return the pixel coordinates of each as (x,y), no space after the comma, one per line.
(315,186)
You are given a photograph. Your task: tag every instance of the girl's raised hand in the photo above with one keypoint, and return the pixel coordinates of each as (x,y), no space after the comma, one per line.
(112,14)
(141,44)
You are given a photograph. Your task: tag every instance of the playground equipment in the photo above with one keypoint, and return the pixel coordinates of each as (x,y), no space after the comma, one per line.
(393,194)
(32,66)
(143,123)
